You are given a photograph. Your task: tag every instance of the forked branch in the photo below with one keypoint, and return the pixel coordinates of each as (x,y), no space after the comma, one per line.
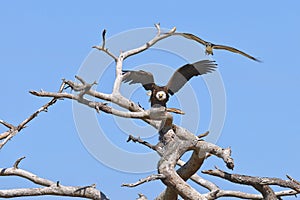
(13,130)
(49,187)
(149,44)
(104,49)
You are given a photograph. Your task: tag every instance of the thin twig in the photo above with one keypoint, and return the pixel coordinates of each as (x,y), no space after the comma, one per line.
(139,140)
(103,38)
(102,48)
(203,134)
(106,51)
(18,162)
(175,110)
(292,179)
(8,125)
(152,177)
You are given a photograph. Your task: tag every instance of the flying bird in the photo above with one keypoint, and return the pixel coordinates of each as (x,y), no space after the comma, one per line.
(210,46)
(160,94)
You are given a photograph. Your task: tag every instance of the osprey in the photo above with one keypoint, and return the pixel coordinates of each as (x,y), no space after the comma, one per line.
(160,94)
(210,46)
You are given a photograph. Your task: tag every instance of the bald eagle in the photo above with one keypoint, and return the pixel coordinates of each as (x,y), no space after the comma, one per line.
(160,94)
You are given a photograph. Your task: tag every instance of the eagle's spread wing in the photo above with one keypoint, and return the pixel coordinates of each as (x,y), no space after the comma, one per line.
(145,78)
(186,72)
(234,50)
(192,37)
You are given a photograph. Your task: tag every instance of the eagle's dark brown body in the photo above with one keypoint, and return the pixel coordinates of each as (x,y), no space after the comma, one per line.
(160,94)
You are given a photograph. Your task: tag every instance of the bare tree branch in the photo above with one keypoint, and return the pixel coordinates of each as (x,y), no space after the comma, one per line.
(102,48)
(152,177)
(126,54)
(146,46)
(259,183)
(85,187)
(89,193)
(4,134)
(242,195)
(195,177)
(16,129)
(114,98)
(106,51)
(251,180)
(139,140)
(210,148)
(187,171)
(153,113)
(50,187)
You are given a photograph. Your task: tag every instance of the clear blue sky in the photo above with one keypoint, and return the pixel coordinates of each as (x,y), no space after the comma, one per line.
(42,42)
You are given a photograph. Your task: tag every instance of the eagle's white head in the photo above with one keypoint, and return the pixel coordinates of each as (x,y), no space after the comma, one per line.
(161,95)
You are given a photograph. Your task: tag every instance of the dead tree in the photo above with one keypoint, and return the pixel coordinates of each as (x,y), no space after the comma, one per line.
(174,142)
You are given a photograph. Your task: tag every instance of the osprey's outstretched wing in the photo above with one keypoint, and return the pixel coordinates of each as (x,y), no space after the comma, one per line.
(186,72)
(210,46)
(145,78)
(192,37)
(234,50)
